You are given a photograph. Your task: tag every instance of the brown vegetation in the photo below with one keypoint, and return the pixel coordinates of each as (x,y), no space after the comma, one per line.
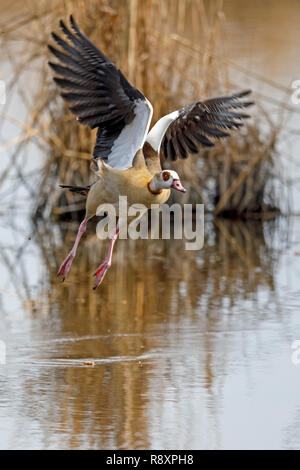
(157,45)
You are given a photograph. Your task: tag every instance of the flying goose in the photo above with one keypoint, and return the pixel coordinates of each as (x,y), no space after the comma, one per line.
(126,155)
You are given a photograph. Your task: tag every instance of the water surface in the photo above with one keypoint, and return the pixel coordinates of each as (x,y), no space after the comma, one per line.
(190,349)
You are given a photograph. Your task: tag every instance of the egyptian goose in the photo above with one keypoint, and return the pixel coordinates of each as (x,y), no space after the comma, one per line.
(126,155)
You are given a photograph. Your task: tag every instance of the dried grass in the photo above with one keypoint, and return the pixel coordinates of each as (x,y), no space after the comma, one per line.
(156,44)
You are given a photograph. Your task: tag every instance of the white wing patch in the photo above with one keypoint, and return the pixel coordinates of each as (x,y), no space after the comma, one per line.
(157,132)
(132,137)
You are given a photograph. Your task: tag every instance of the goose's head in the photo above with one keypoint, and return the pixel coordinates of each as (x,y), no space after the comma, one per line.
(166,179)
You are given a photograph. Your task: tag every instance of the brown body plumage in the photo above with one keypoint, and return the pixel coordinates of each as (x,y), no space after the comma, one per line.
(134,183)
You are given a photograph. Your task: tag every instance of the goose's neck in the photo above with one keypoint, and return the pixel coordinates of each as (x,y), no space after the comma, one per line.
(153,186)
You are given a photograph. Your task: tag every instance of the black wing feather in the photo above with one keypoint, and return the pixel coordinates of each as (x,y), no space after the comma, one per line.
(96,90)
(202,121)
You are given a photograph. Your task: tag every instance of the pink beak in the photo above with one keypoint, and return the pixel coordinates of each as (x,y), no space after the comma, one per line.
(178,186)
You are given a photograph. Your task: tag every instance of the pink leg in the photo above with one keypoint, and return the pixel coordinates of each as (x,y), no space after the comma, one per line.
(66,265)
(103,268)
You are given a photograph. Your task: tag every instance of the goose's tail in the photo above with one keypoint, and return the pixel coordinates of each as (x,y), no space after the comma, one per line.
(83,190)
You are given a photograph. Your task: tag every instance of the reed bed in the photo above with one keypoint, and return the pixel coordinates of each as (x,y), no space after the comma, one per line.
(156,44)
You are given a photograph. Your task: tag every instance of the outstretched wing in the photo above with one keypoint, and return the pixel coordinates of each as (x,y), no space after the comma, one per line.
(100,96)
(182,132)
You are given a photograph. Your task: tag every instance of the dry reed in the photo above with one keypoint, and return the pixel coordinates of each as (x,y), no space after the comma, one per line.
(160,55)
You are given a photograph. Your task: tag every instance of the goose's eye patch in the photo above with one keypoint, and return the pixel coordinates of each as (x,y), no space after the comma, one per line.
(166,175)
